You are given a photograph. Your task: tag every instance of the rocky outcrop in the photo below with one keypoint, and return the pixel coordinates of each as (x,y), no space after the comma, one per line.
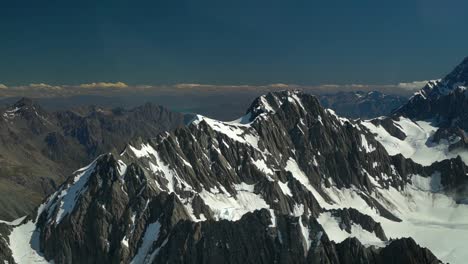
(410,253)
(454,136)
(389,126)
(252,239)
(5,251)
(403,250)
(350,216)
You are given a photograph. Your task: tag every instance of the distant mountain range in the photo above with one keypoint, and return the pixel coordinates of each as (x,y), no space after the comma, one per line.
(351,104)
(38,149)
(358,104)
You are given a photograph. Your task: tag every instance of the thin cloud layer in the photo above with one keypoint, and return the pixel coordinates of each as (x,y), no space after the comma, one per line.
(119,85)
(189,85)
(43,86)
(116,88)
(416,85)
(280,85)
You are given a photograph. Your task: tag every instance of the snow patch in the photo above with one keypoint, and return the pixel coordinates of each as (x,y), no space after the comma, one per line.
(285,189)
(367,147)
(24,244)
(151,235)
(225,206)
(331,225)
(67,196)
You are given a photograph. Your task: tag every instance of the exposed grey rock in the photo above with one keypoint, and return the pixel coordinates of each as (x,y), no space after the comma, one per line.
(5,252)
(350,216)
(403,250)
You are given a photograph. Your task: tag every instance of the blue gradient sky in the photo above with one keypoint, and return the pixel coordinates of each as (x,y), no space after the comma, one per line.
(231,42)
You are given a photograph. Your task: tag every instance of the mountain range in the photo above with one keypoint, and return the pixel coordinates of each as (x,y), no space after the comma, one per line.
(39,149)
(42,147)
(288,182)
(359,104)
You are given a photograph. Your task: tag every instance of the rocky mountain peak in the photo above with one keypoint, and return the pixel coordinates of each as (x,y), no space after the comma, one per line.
(459,76)
(25,101)
(442,100)
(452,81)
(26,107)
(272,102)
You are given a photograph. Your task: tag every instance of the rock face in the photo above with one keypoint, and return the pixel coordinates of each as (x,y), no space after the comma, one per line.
(348,216)
(283,184)
(398,251)
(39,149)
(5,252)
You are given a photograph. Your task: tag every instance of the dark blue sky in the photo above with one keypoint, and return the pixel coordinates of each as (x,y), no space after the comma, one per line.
(230,42)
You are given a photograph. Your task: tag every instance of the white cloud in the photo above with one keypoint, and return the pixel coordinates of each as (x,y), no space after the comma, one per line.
(144,86)
(279,85)
(43,86)
(189,85)
(104,85)
(416,85)
(232,86)
(359,85)
(114,87)
(330,85)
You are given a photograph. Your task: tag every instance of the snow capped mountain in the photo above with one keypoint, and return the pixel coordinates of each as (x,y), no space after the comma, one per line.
(444,100)
(457,79)
(431,130)
(289,182)
(432,126)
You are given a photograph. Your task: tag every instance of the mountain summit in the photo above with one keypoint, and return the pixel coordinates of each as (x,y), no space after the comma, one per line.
(443,100)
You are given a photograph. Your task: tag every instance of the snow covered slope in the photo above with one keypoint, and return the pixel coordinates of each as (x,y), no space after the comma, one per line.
(431,130)
(418,143)
(432,218)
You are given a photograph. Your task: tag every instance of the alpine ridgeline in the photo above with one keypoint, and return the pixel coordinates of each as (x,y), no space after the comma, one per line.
(290,182)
